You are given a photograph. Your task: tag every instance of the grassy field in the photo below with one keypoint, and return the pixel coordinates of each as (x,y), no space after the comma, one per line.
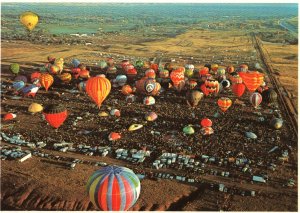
(284,60)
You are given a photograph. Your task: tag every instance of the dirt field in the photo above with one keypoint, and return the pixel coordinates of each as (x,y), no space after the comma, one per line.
(46,184)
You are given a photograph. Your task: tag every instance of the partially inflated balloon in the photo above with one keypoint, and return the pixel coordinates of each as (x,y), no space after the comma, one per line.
(252,79)
(98,89)
(55,115)
(14,68)
(255,99)
(224,103)
(29,20)
(238,89)
(113,188)
(46,80)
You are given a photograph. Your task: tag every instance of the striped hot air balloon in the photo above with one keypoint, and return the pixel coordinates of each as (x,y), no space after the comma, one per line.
(46,80)
(255,99)
(98,89)
(224,103)
(177,76)
(113,188)
(252,79)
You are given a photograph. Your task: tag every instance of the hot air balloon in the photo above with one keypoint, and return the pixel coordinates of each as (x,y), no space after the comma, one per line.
(84,73)
(150,73)
(55,115)
(224,103)
(164,73)
(51,59)
(212,85)
(139,64)
(225,83)
(46,80)
(30,90)
(21,78)
(59,62)
(75,63)
(14,68)
(35,76)
(230,69)
(243,68)
(127,90)
(177,77)
(204,90)
(238,89)
(154,67)
(204,71)
(205,122)
(236,79)
(269,96)
(29,20)
(221,71)
(98,89)
(255,99)
(252,79)
(113,188)
(18,85)
(148,86)
(193,97)
(191,84)
(214,67)
(65,77)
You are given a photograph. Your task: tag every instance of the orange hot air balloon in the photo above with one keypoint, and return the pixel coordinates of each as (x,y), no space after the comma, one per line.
(55,115)
(127,90)
(224,103)
(230,69)
(46,80)
(150,73)
(177,76)
(243,68)
(98,89)
(252,79)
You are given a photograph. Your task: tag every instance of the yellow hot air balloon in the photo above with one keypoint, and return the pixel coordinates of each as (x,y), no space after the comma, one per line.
(29,20)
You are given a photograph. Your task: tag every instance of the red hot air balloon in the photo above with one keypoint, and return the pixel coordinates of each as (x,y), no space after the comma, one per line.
(252,79)
(255,99)
(204,90)
(150,73)
(98,89)
(46,80)
(154,67)
(238,89)
(113,188)
(55,115)
(205,122)
(224,103)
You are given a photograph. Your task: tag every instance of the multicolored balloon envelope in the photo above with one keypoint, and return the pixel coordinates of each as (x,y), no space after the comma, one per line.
(252,79)
(224,103)
(55,115)
(46,80)
(18,85)
(177,76)
(255,99)
(113,188)
(98,89)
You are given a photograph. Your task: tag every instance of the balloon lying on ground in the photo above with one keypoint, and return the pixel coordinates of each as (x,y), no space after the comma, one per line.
(113,188)
(206,122)
(55,115)
(30,90)
(29,20)
(193,97)
(14,68)
(148,86)
(98,89)
(35,108)
(269,96)
(18,85)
